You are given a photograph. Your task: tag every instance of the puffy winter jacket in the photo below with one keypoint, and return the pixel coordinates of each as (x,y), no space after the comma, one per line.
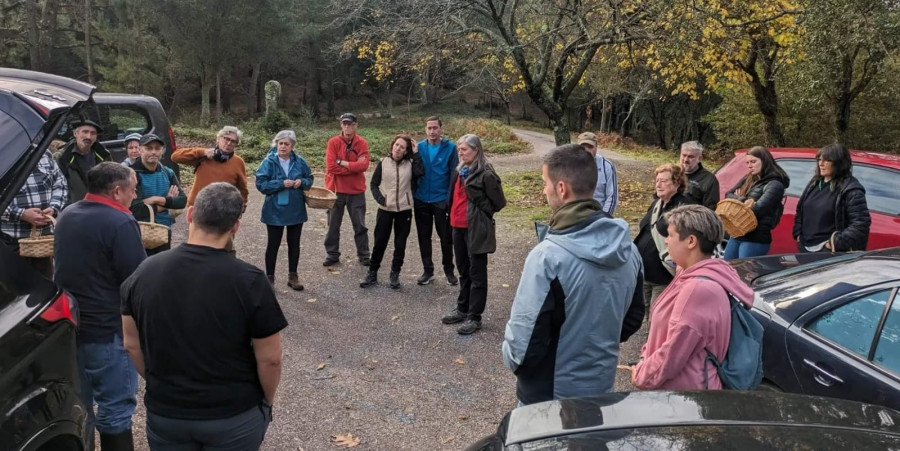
(851,216)
(768,195)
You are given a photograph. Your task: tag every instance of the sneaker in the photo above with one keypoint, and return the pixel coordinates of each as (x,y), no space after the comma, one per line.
(364,261)
(454,317)
(469,327)
(451,278)
(371,279)
(425,278)
(294,282)
(330,262)
(395,280)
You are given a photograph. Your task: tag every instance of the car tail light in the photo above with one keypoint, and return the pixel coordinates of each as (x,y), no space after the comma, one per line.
(63,308)
(172,139)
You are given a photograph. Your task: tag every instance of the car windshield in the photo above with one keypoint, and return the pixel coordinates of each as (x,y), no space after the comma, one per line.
(806,267)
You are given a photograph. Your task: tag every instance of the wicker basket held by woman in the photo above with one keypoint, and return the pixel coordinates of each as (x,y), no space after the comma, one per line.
(321,198)
(153,235)
(737,217)
(37,246)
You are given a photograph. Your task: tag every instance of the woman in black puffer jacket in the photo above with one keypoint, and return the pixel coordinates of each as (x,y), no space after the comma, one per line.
(832,214)
(764,183)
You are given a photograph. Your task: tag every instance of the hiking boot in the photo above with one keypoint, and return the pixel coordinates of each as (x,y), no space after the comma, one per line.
(330,262)
(425,278)
(454,317)
(469,327)
(371,279)
(395,280)
(271,280)
(294,282)
(364,261)
(451,278)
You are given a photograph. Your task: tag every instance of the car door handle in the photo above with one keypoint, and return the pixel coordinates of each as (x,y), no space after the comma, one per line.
(823,372)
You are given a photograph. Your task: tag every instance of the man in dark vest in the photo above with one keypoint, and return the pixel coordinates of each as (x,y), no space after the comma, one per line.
(79,155)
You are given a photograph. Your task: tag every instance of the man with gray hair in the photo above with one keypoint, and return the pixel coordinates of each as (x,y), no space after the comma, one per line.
(580,293)
(98,245)
(702,186)
(217,164)
(204,332)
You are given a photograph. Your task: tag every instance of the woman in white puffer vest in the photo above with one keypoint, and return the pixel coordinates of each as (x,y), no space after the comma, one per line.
(392,186)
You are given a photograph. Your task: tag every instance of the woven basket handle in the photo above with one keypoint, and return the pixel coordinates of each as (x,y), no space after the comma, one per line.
(152,216)
(318,176)
(36,231)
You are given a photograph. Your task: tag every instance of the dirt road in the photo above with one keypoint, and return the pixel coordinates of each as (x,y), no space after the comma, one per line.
(377,363)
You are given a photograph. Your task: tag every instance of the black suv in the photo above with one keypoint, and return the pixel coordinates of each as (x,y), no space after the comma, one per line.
(39,404)
(123,114)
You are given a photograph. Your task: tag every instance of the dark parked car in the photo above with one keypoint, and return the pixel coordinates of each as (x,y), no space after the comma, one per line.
(832,323)
(123,114)
(39,405)
(878,172)
(698,420)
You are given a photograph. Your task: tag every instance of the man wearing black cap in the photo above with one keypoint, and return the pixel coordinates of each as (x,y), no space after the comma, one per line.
(346,161)
(157,188)
(81,154)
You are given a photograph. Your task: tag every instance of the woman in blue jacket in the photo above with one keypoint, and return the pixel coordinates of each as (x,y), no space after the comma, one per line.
(282,177)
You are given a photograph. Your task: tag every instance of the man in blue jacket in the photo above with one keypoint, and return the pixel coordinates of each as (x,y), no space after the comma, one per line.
(98,245)
(430,199)
(580,293)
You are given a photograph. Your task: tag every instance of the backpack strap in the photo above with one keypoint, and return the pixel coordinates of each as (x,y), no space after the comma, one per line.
(710,357)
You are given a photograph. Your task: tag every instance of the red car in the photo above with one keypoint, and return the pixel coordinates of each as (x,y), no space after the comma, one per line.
(878,172)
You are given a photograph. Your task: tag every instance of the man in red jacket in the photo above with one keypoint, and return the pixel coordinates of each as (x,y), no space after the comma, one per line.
(346,161)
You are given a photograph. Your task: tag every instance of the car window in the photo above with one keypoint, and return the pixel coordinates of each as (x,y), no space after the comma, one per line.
(887,351)
(800,172)
(853,324)
(881,190)
(15,142)
(119,121)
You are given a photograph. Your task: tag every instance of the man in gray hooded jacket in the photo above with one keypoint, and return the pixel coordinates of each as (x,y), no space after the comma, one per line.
(580,292)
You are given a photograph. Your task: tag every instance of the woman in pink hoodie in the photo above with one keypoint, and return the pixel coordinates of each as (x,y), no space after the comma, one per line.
(693,313)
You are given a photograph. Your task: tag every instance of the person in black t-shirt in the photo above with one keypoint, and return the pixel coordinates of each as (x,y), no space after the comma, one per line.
(203,329)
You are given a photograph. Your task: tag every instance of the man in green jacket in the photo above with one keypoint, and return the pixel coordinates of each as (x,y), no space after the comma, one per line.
(79,155)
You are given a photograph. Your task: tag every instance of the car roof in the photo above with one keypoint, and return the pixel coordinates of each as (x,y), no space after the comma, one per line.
(858,156)
(619,411)
(795,289)
(46,91)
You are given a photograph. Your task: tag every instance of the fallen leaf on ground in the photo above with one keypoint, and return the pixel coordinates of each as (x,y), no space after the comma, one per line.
(335,272)
(460,361)
(624,367)
(321,366)
(395,317)
(347,440)
(311,300)
(505,285)
(463,417)
(448,440)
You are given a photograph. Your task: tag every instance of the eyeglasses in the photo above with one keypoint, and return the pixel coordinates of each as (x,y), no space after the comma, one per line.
(230,140)
(663,181)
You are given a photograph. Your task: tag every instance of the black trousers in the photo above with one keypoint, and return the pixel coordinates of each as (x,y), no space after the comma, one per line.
(473,280)
(293,242)
(436,214)
(401,222)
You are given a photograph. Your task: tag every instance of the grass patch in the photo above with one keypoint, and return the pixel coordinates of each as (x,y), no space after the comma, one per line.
(525,199)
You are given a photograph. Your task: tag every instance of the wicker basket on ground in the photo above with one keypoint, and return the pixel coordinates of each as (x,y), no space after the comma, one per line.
(737,217)
(153,235)
(37,245)
(321,198)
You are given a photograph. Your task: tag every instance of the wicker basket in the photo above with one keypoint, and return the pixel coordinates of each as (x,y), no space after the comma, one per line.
(321,198)
(737,217)
(153,235)
(37,246)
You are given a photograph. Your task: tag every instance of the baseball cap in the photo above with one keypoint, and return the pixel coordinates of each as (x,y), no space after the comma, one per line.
(149,138)
(587,138)
(133,137)
(348,117)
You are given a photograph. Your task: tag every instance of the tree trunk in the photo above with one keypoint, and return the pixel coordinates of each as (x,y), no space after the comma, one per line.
(205,87)
(842,118)
(315,76)
(218,96)
(87,41)
(47,33)
(253,90)
(767,102)
(34,51)
(560,129)
(329,91)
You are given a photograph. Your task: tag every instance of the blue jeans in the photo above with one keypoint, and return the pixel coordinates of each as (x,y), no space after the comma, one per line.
(108,378)
(738,248)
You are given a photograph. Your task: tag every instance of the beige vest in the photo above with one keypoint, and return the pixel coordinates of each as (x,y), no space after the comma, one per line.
(396,184)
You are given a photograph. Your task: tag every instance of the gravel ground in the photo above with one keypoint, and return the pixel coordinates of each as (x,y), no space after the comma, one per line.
(377,363)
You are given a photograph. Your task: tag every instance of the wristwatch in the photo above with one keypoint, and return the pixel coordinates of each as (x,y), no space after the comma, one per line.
(339,161)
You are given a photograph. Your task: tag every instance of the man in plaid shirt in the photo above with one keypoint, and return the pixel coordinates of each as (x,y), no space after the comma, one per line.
(43,195)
